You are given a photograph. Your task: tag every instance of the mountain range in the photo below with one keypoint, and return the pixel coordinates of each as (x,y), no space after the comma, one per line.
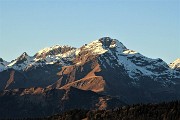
(100,75)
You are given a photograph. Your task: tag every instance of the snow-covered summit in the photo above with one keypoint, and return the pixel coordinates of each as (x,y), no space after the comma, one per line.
(103,45)
(21,62)
(107,42)
(114,53)
(54,50)
(23,56)
(55,54)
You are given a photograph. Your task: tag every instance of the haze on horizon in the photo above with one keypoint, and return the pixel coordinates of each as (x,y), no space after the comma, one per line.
(149,27)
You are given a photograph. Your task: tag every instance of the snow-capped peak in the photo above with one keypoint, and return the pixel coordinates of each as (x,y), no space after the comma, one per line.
(104,44)
(54,50)
(107,42)
(23,56)
(51,55)
(135,63)
(175,64)
(21,62)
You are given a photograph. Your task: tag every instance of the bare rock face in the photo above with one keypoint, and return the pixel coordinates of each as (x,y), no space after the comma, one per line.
(1,60)
(74,73)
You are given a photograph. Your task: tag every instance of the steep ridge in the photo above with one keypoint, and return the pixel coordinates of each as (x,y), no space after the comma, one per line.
(21,62)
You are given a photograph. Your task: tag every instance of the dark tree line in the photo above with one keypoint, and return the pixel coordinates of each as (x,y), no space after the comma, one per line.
(162,111)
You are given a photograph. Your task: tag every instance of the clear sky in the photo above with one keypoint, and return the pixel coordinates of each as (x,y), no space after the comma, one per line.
(151,27)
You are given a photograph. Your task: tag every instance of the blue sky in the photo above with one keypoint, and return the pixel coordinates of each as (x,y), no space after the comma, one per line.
(151,27)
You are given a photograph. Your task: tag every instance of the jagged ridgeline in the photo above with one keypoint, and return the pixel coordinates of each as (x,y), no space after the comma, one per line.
(98,75)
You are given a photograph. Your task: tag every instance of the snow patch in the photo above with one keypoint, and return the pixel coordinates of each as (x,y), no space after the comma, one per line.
(96,47)
(129,52)
(175,64)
